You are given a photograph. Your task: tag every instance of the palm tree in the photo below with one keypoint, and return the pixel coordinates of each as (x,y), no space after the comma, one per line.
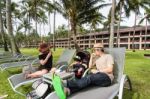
(2,28)
(78,12)
(54,23)
(111,39)
(33,8)
(134,6)
(147,19)
(15,13)
(96,21)
(14,46)
(122,5)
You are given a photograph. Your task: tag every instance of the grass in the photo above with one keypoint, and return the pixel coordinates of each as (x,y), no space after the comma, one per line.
(136,66)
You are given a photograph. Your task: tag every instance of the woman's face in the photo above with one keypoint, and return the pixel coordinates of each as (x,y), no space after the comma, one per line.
(43,50)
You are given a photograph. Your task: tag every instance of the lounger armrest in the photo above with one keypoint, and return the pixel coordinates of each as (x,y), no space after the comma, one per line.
(27,58)
(62,68)
(86,72)
(34,61)
(21,58)
(124,79)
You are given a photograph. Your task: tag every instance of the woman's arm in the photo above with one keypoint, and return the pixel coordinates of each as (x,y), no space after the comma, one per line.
(43,62)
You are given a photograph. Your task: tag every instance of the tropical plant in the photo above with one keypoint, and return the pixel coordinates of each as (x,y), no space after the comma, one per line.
(147,19)
(135,6)
(78,12)
(2,28)
(121,7)
(14,46)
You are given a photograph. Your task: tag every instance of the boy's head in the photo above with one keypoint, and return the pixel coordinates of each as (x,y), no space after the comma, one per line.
(77,58)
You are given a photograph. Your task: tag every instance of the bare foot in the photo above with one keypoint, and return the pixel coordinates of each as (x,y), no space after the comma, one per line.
(67,91)
(27,76)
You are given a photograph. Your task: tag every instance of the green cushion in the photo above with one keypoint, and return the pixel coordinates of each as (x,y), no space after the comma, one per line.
(58,87)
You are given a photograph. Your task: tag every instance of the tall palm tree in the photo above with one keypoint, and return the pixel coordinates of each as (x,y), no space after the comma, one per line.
(147,19)
(33,8)
(134,6)
(24,25)
(14,46)
(2,28)
(15,13)
(111,39)
(54,23)
(122,5)
(96,21)
(78,12)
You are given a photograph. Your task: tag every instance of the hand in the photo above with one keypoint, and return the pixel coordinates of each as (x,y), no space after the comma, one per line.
(93,55)
(94,71)
(80,70)
(53,70)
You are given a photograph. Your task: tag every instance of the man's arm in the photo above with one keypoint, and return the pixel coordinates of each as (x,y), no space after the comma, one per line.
(109,67)
(107,70)
(91,63)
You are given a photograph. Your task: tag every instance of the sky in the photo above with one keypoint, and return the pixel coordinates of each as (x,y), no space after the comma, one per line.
(60,20)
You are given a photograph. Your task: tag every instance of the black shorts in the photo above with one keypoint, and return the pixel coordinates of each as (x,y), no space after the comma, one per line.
(43,67)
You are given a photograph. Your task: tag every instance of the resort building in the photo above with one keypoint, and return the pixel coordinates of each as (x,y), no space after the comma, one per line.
(125,39)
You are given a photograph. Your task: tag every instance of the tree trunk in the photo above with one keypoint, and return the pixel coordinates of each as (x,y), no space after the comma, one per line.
(49,15)
(118,30)
(2,32)
(133,45)
(35,15)
(145,35)
(15,49)
(54,29)
(111,39)
(74,32)
(28,30)
(49,22)
(40,26)
(68,34)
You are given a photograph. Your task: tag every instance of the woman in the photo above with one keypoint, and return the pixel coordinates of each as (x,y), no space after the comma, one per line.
(45,58)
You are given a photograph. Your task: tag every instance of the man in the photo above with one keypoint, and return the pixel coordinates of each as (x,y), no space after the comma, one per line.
(102,76)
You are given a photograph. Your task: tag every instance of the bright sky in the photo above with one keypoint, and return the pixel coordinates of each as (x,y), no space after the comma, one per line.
(60,20)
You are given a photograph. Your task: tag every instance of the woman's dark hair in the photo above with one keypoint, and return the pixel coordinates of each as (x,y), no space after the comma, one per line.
(44,46)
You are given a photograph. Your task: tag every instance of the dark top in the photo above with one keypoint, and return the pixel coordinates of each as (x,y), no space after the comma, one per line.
(48,64)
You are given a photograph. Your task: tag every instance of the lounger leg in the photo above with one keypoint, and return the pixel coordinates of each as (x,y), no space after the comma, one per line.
(19,92)
(129,83)
(14,88)
(124,79)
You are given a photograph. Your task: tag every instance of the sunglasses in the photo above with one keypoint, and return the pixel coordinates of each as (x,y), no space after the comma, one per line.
(96,49)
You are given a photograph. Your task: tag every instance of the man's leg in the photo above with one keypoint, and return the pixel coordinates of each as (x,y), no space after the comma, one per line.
(100,79)
(76,85)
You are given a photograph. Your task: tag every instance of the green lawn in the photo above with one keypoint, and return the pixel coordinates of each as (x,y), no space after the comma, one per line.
(136,66)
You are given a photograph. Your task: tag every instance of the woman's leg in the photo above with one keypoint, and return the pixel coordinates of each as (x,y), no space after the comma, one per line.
(37,73)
